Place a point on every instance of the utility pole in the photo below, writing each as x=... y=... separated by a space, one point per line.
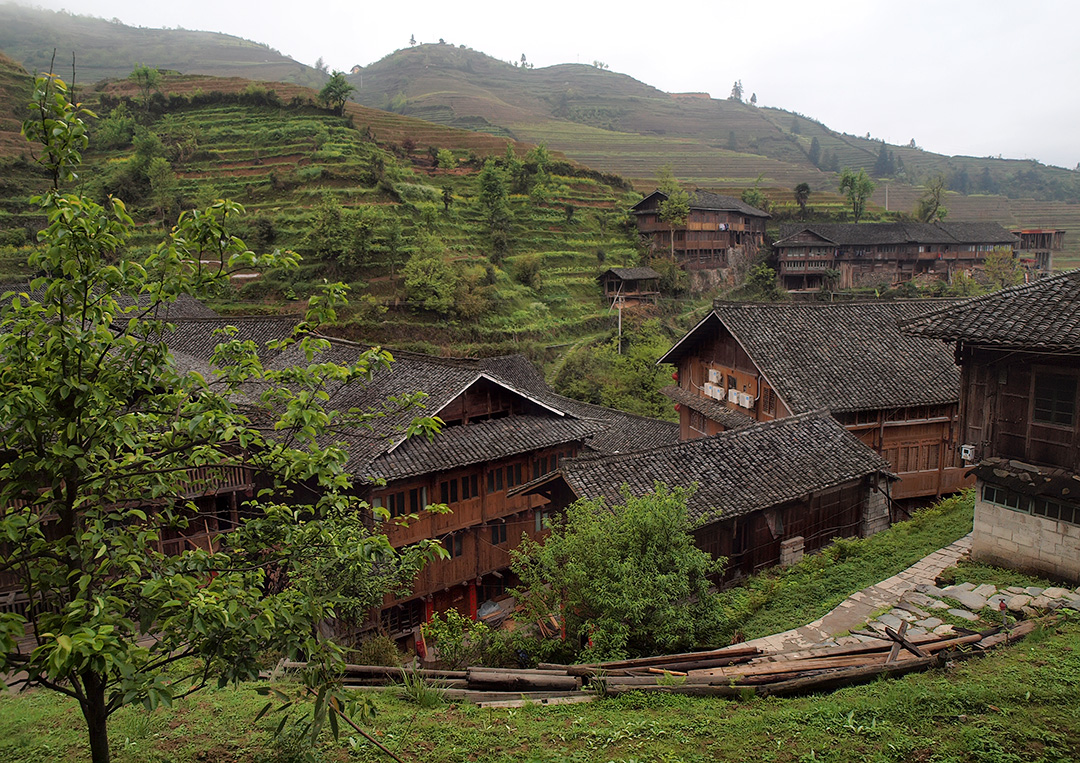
x=619 y=300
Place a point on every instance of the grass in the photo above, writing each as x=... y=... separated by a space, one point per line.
x=777 y=600
x=1017 y=704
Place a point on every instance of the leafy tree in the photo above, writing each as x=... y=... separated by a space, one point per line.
x=336 y=92
x=885 y=165
x=321 y=65
x=676 y=207
x=104 y=435
x=148 y=79
x=802 y=196
x=1002 y=268
x=753 y=99
x=412 y=39
x=761 y=284
x=858 y=187
x=163 y=186
x=732 y=141
x=459 y=639
x=116 y=130
x=627 y=577
x=430 y=280
x=494 y=202
x=929 y=207
x=814 y=154
x=736 y=91
x=445 y=159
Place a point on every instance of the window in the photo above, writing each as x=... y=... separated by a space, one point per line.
x=470 y=487
x=513 y=475
x=1063 y=512
x=1002 y=497
x=454 y=545
x=449 y=491
x=498 y=534
x=1055 y=399
x=417 y=499
x=543 y=520
x=697 y=421
x=768 y=403
x=395 y=504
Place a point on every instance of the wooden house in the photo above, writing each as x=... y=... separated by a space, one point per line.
x=1019 y=351
x=898 y=394
x=762 y=496
x=631 y=286
x=502 y=428
x=719 y=232
x=1037 y=247
x=843 y=255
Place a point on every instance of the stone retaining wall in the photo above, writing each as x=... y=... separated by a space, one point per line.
x=1008 y=538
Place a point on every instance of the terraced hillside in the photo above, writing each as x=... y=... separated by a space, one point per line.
x=614 y=123
x=295 y=166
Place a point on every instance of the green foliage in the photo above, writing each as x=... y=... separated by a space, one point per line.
x=857 y=187
x=802 y=196
x=336 y=92
x=445 y=159
x=1003 y=269
x=104 y=433
x=416 y=689
x=630 y=381
x=627 y=577
x=377 y=649
x=762 y=284
x=148 y=79
x=458 y=639
x=430 y=280
x=528 y=271
x=755 y=198
x=116 y=130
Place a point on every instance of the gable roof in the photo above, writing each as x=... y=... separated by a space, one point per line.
x=710 y=201
x=631 y=274
x=839 y=356
x=1043 y=315
x=734 y=472
x=876 y=234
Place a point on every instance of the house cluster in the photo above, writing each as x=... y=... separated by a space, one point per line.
x=722 y=231
x=798 y=424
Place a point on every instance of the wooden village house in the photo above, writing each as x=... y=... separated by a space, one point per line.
x=762 y=495
x=720 y=231
x=630 y=286
x=1019 y=351
x=1037 y=247
x=844 y=255
x=898 y=394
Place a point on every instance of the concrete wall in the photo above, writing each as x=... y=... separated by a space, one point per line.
x=876 y=516
x=1021 y=541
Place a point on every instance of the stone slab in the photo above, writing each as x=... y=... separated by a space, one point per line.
x=959 y=587
x=968 y=599
x=1033 y=591
x=1018 y=602
x=930 y=622
x=963 y=614
x=1056 y=592
x=986 y=590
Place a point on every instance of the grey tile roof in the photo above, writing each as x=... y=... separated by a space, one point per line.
x=868 y=234
x=734 y=472
x=711 y=201
x=1043 y=315
x=1026 y=479
x=718 y=412
x=631 y=274
x=839 y=356
x=197 y=336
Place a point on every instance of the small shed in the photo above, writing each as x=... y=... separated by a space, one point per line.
x=633 y=285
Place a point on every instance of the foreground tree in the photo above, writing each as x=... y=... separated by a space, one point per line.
x=103 y=434
x=930 y=206
x=857 y=187
x=1003 y=269
x=336 y=92
x=627 y=577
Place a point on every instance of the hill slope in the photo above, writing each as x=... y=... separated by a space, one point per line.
x=106 y=49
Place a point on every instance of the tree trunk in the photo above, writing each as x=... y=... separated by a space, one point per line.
x=93 y=707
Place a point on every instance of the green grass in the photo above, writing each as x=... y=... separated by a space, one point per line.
x=778 y=600
x=1017 y=704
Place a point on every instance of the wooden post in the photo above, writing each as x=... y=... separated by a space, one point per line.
x=472 y=599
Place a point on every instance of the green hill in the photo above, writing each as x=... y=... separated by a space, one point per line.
x=106 y=49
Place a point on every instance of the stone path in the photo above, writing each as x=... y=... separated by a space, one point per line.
x=860 y=607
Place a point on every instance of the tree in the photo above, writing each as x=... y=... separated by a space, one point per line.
x=321 y=65
x=858 y=187
x=430 y=280
x=336 y=92
x=104 y=435
x=802 y=196
x=1002 y=268
x=626 y=576
x=761 y=284
x=929 y=207
x=814 y=154
x=412 y=39
x=753 y=99
x=494 y=202
x=148 y=79
x=163 y=186
x=674 y=210
x=885 y=165
x=736 y=91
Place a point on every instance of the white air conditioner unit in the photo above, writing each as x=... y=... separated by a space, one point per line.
x=710 y=389
x=733 y=396
x=717 y=392
x=967 y=452
x=745 y=400
x=714 y=376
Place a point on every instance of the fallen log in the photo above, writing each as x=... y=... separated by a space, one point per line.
x=386 y=671
x=693 y=690
x=518 y=682
x=512 y=703
x=846 y=677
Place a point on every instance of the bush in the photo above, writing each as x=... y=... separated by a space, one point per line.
x=379 y=649
x=459 y=639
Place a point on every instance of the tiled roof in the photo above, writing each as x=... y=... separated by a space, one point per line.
x=718 y=412
x=1043 y=315
x=631 y=274
x=1059 y=484
x=734 y=472
x=867 y=234
x=198 y=338
x=839 y=356
x=716 y=201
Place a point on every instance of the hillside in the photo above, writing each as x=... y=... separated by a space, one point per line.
x=106 y=49
x=616 y=124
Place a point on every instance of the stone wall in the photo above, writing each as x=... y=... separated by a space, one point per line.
x=1013 y=539
x=876 y=517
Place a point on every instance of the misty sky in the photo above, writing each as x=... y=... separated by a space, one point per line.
x=975 y=77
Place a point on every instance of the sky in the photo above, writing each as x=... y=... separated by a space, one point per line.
x=970 y=77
